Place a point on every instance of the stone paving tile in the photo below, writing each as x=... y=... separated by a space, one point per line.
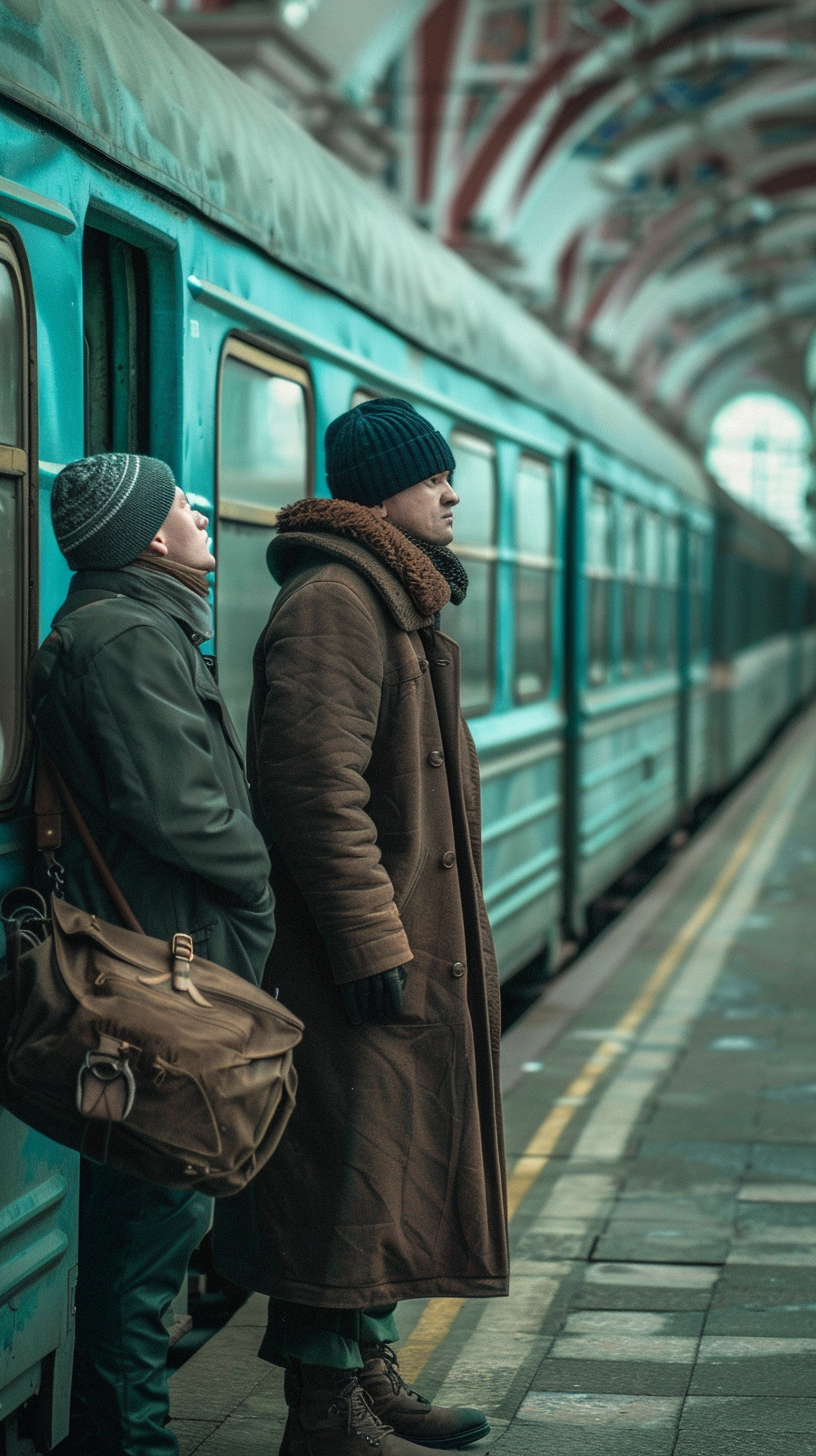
x=754 y=1365
x=642 y=1242
x=780 y=1322
x=190 y=1434
x=524 y=1438
x=748 y=1413
x=662 y=1287
x=793 y=1163
x=765 y=1287
x=633 y=1377
x=745 y=1443
x=219 y=1377
x=242 y=1435
x=560 y=1422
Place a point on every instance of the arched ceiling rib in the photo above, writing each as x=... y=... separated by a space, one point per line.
x=641 y=172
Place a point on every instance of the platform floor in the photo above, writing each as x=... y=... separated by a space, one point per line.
x=661 y=1130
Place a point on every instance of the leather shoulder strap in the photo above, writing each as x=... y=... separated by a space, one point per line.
x=50 y=793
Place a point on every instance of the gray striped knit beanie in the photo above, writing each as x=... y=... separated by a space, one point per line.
x=107 y=508
x=381 y=447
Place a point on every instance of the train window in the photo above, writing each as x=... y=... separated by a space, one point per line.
x=697 y=594
x=600 y=561
x=634 y=596
x=264 y=462
x=666 y=648
x=650 y=614
x=533 y=578
x=475 y=525
x=14 y=540
x=116 y=324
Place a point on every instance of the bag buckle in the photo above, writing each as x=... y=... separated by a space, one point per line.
x=181 y=948
x=106 y=1086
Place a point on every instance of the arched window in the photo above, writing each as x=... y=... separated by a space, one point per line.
x=760 y=451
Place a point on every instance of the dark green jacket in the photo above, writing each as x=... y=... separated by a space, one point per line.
x=131 y=714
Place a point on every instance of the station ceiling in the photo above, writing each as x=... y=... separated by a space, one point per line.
x=642 y=173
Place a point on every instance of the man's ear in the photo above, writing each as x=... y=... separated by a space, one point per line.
x=157 y=545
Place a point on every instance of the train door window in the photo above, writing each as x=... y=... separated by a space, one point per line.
x=534 y=578
x=632 y=643
x=265 y=435
x=600 y=559
x=475 y=542
x=650 y=613
x=14 y=535
x=116 y=324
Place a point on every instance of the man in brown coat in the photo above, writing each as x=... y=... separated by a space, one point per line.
x=390 y=1182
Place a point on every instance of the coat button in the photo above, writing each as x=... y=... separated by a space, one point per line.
x=436 y=758
x=458 y=969
x=448 y=859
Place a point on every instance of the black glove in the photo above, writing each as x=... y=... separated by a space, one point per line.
x=376 y=998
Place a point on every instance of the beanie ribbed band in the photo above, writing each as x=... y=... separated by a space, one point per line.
x=382 y=447
x=107 y=508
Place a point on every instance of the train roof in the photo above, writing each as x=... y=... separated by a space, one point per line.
x=123 y=80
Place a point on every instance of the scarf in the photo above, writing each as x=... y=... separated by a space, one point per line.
x=445 y=562
x=189 y=576
x=183 y=591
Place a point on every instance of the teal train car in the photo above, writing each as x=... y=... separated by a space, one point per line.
x=184 y=272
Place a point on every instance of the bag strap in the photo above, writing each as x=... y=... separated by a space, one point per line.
x=50 y=794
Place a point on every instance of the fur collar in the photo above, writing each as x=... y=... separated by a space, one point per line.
x=318 y=524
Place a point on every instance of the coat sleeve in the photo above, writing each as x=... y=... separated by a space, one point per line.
x=151 y=739
x=324 y=676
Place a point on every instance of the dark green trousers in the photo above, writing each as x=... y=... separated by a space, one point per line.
x=135 y=1242
x=333 y=1337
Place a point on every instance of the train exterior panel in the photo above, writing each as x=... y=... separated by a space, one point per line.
x=162 y=301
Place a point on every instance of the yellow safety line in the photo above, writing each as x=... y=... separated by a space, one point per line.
x=439 y=1314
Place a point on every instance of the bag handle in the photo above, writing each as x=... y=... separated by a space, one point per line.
x=50 y=788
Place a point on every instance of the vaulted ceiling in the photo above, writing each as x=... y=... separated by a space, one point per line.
x=642 y=173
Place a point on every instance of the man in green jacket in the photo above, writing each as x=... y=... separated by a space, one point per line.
x=130 y=712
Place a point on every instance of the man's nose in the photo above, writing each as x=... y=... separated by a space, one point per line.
x=202 y=521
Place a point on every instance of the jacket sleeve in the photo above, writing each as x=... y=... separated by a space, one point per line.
x=324 y=675
x=151 y=736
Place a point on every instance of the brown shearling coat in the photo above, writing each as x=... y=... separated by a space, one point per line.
x=390 y=1181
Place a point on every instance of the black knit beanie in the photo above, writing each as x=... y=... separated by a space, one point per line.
x=107 y=508
x=381 y=447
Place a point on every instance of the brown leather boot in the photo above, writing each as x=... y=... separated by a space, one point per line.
x=409 y=1413
x=329 y=1415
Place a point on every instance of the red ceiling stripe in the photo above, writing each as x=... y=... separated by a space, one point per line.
x=790 y=181
x=574 y=108
x=435 y=49
x=501 y=135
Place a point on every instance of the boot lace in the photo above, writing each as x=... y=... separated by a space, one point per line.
x=393 y=1372
x=352 y=1402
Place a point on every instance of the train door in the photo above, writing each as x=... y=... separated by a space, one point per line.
x=116 y=326
x=38 y=1235
x=265 y=461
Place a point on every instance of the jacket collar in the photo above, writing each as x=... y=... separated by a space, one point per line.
x=409 y=585
x=162 y=592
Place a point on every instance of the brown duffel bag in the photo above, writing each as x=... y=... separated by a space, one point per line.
x=141 y=1054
